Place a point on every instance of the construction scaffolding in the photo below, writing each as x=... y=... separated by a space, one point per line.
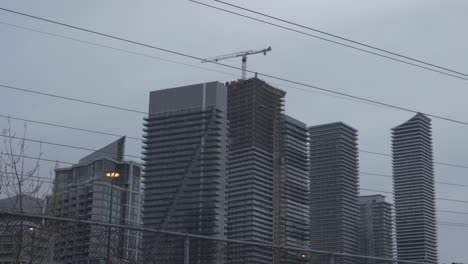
x=254 y=113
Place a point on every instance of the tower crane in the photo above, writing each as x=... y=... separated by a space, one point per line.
x=242 y=54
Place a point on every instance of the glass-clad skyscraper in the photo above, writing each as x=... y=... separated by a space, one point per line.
x=185 y=170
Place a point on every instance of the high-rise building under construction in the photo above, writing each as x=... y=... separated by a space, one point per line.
x=185 y=171
x=255 y=118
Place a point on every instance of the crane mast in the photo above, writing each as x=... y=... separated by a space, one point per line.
x=242 y=54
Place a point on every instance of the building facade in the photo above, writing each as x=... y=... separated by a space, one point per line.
x=255 y=117
x=295 y=189
x=413 y=181
x=24 y=240
x=376 y=227
x=334 y=208
x=185 y=166
x=83 y=191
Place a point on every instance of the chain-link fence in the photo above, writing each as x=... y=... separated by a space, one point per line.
x=35 y=239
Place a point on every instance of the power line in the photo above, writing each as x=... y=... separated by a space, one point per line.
x=13 y=175
x=134 y=156
x=65 y=145
x=72 y=99
x=114 y=48
x=36 y=158
x=89 y=149
x=158 y=58
x=360 y=172
x=168 y=60
x=390 y=176
x=454 y=212
x=225 y=65
x=141 y=139
x=435 y=162
x=437 y=198
x=126 y=109
x=454 y=224
x=68 y=127
x=51 y=181
x=338 y=37
x=451 y=200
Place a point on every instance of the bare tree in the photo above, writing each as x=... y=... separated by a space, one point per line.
x=19 y=181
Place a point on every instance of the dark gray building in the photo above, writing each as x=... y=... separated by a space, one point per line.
x=413 y=182
x=376 y=227
x=24 y=241
x=83 y=191
x=334 y=208
x=185 y=166
x=295 y=188
x=255 y=117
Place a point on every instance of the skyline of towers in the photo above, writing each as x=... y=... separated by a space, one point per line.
x=250 y=129
x=334 y=209
x=413 y=181
x=214 y=155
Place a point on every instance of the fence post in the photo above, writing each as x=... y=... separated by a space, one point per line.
x=332 y=259
x=187 y=250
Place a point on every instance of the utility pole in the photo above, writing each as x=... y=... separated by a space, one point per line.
x=112 y=176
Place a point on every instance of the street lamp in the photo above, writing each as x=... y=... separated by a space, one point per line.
x=32 y=235
x=111 y=175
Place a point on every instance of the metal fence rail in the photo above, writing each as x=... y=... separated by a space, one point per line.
x=37 y=239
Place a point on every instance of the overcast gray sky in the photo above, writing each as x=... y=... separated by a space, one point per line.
x=430 y=30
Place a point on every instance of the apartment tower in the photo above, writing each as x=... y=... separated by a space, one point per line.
x=22 y=240
x=83 y=191
x=334 y=208
x=376 y=227
x=185 y=171
x=295 y=189
x=413 y=182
